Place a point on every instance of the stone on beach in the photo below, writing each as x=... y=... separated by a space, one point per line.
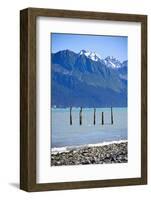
x=112 y=153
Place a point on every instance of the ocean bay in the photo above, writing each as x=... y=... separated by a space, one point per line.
x=65 y=135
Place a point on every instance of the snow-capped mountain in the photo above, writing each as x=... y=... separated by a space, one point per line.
x=84 y=79
x=92 y=55
x=112 y=62
x=109 y=61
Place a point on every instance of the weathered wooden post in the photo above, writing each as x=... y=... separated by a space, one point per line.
x=70 y=115
x=94 y=117
x=111 y=116
x=80 y=116
x=102 y=118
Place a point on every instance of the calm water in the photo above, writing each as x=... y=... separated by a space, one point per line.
x=63 y=134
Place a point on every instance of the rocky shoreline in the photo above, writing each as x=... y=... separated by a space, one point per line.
x=112 y=153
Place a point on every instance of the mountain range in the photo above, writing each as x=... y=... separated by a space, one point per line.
x=85 y=79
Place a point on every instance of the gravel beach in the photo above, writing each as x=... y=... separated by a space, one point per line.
x=111 y=153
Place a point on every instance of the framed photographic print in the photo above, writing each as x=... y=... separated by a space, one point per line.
x=83 y=93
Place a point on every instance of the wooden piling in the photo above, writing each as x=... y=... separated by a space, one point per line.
x=70 y=115
x=80 y=116
x=94 y=117
x=102 y=118
x=111 y=116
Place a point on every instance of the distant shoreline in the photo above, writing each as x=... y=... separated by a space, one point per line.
x=103 y=153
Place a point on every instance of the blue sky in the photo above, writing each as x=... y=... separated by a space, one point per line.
x=115 y=46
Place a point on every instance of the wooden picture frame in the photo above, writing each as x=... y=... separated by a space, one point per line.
x=28 y=98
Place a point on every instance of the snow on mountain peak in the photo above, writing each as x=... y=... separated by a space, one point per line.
x=92 y=55
x=112 y=62
x=109 y=61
